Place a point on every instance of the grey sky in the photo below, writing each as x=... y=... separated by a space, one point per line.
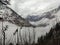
x=28 y=7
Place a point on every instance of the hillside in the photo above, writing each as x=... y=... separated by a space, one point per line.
x=51 y=38
x=11 y=16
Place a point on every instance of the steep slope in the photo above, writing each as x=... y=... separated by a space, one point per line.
x=51 y=38
x=11 y=16
x=17 y=19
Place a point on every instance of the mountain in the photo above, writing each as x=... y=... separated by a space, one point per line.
x=15 y=18
x=12 y=17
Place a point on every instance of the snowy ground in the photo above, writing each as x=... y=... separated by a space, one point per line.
x=12 y=28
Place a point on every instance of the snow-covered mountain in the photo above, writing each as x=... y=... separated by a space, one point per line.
x=15 y=18
x=12 y=17
x=29 y=14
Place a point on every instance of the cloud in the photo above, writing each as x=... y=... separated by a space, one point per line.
x=38 y=18
x=29 y=7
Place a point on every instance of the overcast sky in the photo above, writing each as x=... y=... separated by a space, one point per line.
x=28 y=7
